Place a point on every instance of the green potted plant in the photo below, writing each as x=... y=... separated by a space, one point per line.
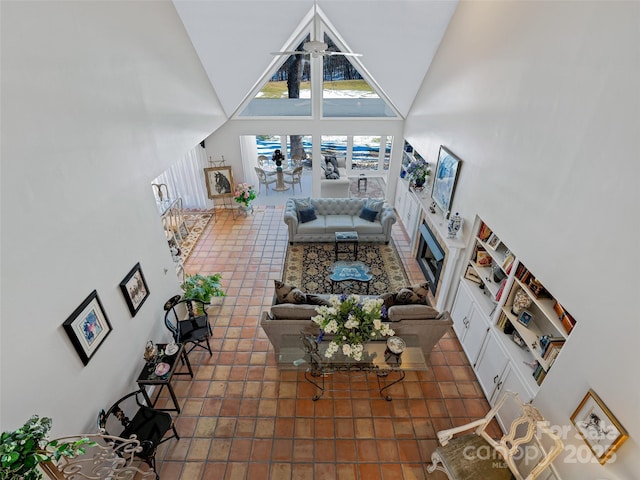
x=203 y=287
x=22 y=450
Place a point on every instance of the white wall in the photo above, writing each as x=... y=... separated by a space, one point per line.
x=98 y=98
x=541 y=102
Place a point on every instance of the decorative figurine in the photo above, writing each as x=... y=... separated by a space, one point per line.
x=455 y=223
x=150 y=352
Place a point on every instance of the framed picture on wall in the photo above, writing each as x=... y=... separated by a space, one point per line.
x=445 y=179
x=219 y=182
x=87 y=327
x=134 y=288
x=598 y=427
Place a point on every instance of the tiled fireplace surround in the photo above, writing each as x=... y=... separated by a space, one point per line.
x=243 y=418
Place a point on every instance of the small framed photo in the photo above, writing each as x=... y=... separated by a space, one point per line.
x=525 y=317
x=219 y=182
x=471 y=275
x=493 y=241
x=134 y=288
x=598 y=427
x=483 y=258
x=87 y=327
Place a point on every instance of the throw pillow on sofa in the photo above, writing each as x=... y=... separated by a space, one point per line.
x=415 y=294
x=371 y=209
x=307 y=215
x=368 y=214
x=288 y=293
x=302 y=204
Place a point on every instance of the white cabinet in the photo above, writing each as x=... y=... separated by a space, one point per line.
x=407 y=208
x=491 y=366
x=469 y=322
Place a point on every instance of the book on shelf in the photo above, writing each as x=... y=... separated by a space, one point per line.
x=539 y=374
x=502 y=321
x=546 y=342
x=501 y=290
x=471 y=275
x=567 y=320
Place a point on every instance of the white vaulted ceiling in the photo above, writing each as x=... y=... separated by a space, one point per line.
x=234 y=38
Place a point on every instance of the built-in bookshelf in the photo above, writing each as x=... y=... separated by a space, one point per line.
x=511 y=327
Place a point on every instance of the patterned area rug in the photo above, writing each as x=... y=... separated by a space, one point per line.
x=307 y=266
x=196 y=223
x=375 y=188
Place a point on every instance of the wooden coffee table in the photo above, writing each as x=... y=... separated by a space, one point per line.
x=350 y=272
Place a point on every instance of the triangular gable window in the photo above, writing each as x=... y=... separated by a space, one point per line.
x=345 y=91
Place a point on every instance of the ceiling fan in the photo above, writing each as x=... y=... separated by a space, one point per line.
x=316 y=48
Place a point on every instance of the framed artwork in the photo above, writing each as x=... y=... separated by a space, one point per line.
x=598 y=427
x=87 y=327
x=525 y=318
x=445 y=179
x=471 y=275
x=493 y=241
x=219 y=182
x=134 y=288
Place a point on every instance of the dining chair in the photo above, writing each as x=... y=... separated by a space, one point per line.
x=293 y=177
x=264 y=179
x=188 y=322
x=148 y=425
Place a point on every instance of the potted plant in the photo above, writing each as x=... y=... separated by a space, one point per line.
x=22 y=450
x=418 y=171
x=203 y=287
x=244 y=194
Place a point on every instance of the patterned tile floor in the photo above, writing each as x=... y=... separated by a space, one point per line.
x=244 y=419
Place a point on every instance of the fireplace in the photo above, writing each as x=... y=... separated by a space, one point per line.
x=430 y=256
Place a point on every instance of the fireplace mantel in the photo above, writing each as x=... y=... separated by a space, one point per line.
x=453 y=251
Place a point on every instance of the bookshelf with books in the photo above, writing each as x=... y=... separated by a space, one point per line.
x=528 y=327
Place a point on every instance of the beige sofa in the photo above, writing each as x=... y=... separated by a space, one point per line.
x=285 y=321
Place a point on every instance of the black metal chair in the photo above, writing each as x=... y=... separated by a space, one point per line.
x=147 y=424
x=188 y=322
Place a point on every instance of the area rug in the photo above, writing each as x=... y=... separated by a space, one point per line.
x=196 y=223
x=307 y=266
x=375 y=188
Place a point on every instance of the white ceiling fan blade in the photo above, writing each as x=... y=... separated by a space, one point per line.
x=346 y=54
x=293 y=52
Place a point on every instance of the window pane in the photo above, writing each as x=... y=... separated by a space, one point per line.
x=334 y=145
x=387 y=153
x=366 y=152
x=345 y=93
x=287 y=93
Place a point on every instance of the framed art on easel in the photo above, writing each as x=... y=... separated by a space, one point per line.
x=219 y=182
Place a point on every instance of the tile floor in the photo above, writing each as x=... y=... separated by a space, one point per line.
x=244 y=419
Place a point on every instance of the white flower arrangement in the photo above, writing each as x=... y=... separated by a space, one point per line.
x=353 y=322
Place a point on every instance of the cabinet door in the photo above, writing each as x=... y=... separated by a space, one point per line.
x=412 y=214
x=477 y=328
x=490 y=365
x=510 y=380
x=461 y=311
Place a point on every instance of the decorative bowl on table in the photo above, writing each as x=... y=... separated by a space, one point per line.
x=171 y=349
x=162 y=369
x=396 y=345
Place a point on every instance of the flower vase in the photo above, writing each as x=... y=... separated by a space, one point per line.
x=419 y=182
x=454 y=225
x=246 y=209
